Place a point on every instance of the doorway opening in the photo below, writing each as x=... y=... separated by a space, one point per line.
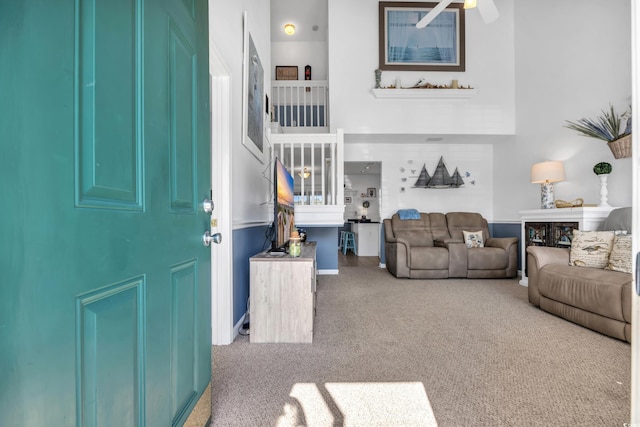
x=360 y=236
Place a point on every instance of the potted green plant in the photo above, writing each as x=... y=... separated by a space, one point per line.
x=610 y=126
x=602 y=170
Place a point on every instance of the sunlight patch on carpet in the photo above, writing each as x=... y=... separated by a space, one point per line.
x=358 y=404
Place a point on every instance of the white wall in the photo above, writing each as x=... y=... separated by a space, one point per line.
x=250 y=189
x=353 y=57
x=541 y=63
x=300 y=54
x=573 y=58
x=568 y=60
x=400 y=169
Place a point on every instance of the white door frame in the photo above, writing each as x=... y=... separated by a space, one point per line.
x=222 y=332
x=635 y=315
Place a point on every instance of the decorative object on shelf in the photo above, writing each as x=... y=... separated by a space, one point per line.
x=403 y=46
x=572 y=204
x=603 y=169
x=546 y=174
x=440 y=179
x=608 y=127
x=378 y=73
x=294 y=244
x=424 y=84
x=366 y=204
x=424 y=93
x=307 y=76
x=304 y=173
x=371 y=192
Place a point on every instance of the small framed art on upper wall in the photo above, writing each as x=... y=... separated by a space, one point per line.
x=286 y=72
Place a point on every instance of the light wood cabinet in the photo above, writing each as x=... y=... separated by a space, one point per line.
x=282 y=297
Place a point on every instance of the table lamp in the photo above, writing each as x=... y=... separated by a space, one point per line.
x=546 y=173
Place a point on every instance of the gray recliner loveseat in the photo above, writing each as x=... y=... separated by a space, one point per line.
x=433 y=247
x=596 y=298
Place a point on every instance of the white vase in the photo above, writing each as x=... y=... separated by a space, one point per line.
x=603 y=189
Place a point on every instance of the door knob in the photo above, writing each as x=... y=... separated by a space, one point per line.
x=207 y=238
x=207 y=205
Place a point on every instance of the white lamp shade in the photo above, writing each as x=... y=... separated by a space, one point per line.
x=551 y=171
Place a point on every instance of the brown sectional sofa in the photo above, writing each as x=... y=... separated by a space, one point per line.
x=432 y=247
x=598 y=299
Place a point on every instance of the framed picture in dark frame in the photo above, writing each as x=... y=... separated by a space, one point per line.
x=440 y=46
x=286 y=72
x=371 y=192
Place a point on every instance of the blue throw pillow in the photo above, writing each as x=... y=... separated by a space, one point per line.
x=408 y=214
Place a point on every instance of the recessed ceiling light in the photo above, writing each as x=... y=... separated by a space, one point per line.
x=289 y=29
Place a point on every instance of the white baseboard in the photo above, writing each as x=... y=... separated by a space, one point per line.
x=327 y=272
x=237 y=326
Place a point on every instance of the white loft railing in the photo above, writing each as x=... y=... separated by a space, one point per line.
x=319 y=197
x=300 y=105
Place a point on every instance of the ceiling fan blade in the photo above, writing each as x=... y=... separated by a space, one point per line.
x=488 y=11
x=433 y=13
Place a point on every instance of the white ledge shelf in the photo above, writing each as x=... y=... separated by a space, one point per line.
x=424 y=93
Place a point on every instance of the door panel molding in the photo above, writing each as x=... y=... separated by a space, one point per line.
x=191 y=8
x=110 y=349
x=182 y=120
x=108 y=122
x=184 y=330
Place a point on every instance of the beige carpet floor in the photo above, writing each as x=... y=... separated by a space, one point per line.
x=398 y=352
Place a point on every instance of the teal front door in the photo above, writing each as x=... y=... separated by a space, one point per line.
x=104 y=161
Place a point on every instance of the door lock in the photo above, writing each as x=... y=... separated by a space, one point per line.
x=207 y=238
x=207 y=205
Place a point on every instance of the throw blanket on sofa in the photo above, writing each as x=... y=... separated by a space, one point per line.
x=408 y=214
